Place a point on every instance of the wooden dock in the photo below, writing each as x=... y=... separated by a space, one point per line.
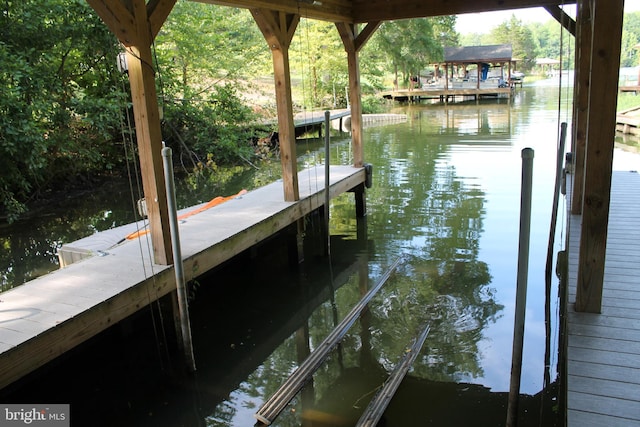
x=633 y=88
x=310 y=118
x=628 y=121
x=447 y=95
x=52 y=314
x=603 y=353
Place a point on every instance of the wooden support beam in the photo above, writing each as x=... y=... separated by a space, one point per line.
x=370 y=10
x=353 y=41
x=158 y=12
x=149 y=137
x=581 y=101
x=561 y=16
x=135 y=24
x=607 y=17
x=278 y=29
x=119 y=19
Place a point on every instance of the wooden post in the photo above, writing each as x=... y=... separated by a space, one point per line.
x=148 y=134
x=607 y=16
x=136 y=24
x=278 y=29
x=353 y=42
x=581 y=101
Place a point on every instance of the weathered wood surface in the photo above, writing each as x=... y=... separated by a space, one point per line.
x=603 y=92
x=603 y=351
x=50 y=315
x=360 y=11
x=628 y=121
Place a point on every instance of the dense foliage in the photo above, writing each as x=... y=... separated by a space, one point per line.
x=59 y=98
x=64 y=108
x=548 y=40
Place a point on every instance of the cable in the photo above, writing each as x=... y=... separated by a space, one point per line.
x=129 y=151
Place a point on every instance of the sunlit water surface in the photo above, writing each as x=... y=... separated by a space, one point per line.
x=445 y=200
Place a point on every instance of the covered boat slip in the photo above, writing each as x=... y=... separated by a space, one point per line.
x=46 y=317
x=603 y=352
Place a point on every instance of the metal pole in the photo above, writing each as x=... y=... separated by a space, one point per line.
x=292 y=385
x=379 y=403
x=548 y=267
x=181 y=289
x=327 y=164
x=521 y=292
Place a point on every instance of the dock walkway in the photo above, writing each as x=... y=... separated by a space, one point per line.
x=603 y=353
x=446 y=94
x=628 y=121
x=52 y=314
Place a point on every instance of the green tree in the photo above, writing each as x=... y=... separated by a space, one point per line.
x=201 y=45
x=630 y=40
x=59 y=97
x=412 y=44
x=520 y=37
x=318 y=62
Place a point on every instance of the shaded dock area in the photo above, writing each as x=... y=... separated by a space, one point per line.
x=52 y=314
x=603 y=351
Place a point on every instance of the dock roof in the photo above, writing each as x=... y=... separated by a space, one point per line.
x=475 y=54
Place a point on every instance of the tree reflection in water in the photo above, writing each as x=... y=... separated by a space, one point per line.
x=256 y=319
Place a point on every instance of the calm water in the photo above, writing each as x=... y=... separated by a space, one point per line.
x=445 y=200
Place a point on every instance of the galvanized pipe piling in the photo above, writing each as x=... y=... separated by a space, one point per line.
x=181 y=289
x=521 y=291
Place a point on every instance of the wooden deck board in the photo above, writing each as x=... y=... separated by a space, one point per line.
x=626 y=343
x=620 y=412
x=607 y=372
x=603 y=351
x=48 y=316
x=586 y=419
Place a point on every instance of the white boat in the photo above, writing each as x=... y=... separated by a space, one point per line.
x=516 y=76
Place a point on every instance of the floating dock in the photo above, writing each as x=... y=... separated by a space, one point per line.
x=603 y=352
x=48 y=316
x=628 y=121
x=446 y=95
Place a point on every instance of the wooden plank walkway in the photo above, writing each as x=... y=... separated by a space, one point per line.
x=308 y=118
x=603 y=366
x=452 y=93
x=50 y=315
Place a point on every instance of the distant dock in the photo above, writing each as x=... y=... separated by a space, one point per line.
x=631 y=88
x=628 y=121
x=447 y=95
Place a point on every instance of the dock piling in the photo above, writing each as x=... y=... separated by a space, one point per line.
x=521 y=290
x=327 y=164
x=181 y=289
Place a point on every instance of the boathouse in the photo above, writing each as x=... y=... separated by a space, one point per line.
x=456 y=76
x=30 y=341
x=458 y=59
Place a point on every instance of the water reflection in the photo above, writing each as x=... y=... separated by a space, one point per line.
x=445 y=199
